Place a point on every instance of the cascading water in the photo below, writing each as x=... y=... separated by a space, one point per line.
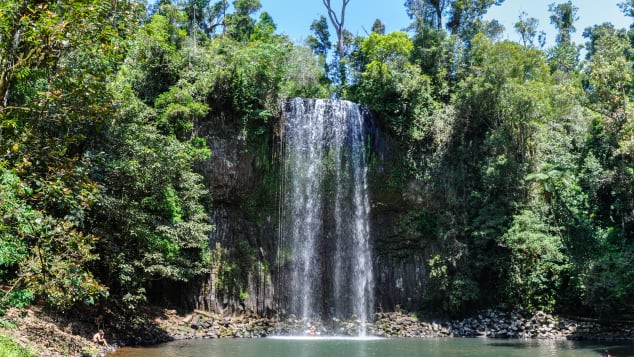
x=324 y=231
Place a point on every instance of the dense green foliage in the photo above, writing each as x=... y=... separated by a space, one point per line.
x=99 y=123
x=54 y=74
x=524 y=157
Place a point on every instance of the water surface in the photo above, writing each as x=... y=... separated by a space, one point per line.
x=366 y=347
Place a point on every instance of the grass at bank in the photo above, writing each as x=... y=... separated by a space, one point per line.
x=10 y=348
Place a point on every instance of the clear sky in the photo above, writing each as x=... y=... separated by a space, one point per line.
x=293 y=17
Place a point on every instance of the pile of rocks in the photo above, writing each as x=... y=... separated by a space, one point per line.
x=201 y=324
x=497 y=324
x=541 y=325
x=398 y=324
x=488 y=324
x=512 y=325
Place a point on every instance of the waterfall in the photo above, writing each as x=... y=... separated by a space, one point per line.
x=324 y=230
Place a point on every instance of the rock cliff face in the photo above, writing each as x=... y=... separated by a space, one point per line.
x=230 y=173
x=243 y=241
x=243 y=180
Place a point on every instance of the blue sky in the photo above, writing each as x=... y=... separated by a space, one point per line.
x=293 y=17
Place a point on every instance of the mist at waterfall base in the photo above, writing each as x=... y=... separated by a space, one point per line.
x=324 y=248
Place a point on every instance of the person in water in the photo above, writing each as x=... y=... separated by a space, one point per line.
x=99 y=339
x=606 y=354
x=312 y=330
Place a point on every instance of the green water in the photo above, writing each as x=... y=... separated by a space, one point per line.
x=316 y=347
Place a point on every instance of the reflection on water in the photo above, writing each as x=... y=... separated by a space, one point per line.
x=367 y=347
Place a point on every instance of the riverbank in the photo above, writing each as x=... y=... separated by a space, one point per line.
x=58 y=335
x=43 y=335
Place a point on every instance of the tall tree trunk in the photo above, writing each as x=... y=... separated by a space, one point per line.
x=338 y=23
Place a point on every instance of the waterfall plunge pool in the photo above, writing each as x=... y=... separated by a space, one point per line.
x=380 y=347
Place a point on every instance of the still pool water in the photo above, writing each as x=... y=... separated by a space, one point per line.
x=346 y=347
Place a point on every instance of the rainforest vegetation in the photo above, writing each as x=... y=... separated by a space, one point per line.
x=523 y=154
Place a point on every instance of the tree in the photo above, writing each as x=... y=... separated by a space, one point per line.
x=151 y=211
x=627 y=7
x=41 y=256
x=320 y=44
x=160 y=58
x=502 y=103
x=36 y=34
x=305 y=75
x=607 y=76
x=240 y=25
x=427 y=12
x=378 y=27
x=344 y=37
x=320 y=41
x=527 y=29
x=595 y=33
x=461 y=15
x=394 y=88
x=608 y=82
x=465 y=16
x=195 y=11
x=565 y=55
x=492 y=29
x=383 y=49
x=439 y=53
x=55 y=63
x=31 y=35
x=217 y=17
x=533 y=278
x=563 y=17
x=338 y=22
